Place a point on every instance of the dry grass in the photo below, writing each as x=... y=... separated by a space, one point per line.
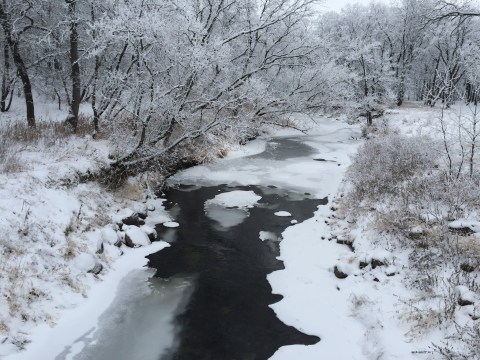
x=21 y=133
x=4 y=329
x=470 y=245
x=10 y=163
x=421 y=321
x=131 y=191
x=70 y=250
x=16 y=137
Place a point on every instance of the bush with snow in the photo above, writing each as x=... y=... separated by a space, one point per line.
x=382 y=164
x=403 y=191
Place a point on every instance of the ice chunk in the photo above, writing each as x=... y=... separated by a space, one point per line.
x=283 y=213
x=268 y=235
x=171 y=224
x=237 y=198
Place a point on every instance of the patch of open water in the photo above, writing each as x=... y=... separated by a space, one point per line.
x=227 y=315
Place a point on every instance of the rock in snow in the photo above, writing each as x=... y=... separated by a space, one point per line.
x=135 y=237
x=151 y=232
x=88 y=263
x=109 y=235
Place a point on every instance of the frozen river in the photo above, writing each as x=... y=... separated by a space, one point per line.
x=233 y=284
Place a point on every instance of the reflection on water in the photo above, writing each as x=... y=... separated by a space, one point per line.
x=139 y=323
x=225 y=217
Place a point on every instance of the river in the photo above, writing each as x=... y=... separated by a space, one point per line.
x=207 y=296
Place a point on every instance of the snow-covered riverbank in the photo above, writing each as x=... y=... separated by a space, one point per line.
x=61 y=242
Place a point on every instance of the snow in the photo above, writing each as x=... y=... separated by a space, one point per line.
x=75 y=323
x=237 y=199
x=150 y=231
x=85 y=262
x=137 y=236
x=109 y=235
x=465 y=223
x=465 y=293
x=348 y=315
x=253 y=147
x=300 y=174
x=367 y=315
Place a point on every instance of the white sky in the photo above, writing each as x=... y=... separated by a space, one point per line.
x=337 y=5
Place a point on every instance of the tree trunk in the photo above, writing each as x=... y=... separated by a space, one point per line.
x=22 y=71
x=72 y=118
x=5 y=78
x=400 y=90
x=96 y=115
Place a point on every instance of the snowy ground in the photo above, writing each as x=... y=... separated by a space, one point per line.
x=61 y=242
x=407 y=312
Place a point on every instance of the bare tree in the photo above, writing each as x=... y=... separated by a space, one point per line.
x=7 y=81
x=72 y=118
x=13 y=40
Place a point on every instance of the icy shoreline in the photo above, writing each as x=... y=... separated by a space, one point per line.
x=63 y=239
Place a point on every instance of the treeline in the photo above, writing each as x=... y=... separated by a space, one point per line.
x=165 y=73
x=419 y=50
x=168 y=76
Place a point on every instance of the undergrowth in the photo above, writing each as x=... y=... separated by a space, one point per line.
x=16 y=137
x=415 y=199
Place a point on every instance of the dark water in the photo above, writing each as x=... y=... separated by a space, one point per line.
x=285 y=148
x=227 y=316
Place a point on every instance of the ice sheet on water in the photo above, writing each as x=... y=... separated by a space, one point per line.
x=230 y=208
x=171 y=224
x=144 y=309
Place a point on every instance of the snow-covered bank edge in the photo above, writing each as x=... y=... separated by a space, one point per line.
x=82 y=319
x=61 y=273
x=354 y=273
x=314 y=300
x=63 y=235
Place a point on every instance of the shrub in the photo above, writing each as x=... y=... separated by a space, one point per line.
x=439 y=196
x=382 y=164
